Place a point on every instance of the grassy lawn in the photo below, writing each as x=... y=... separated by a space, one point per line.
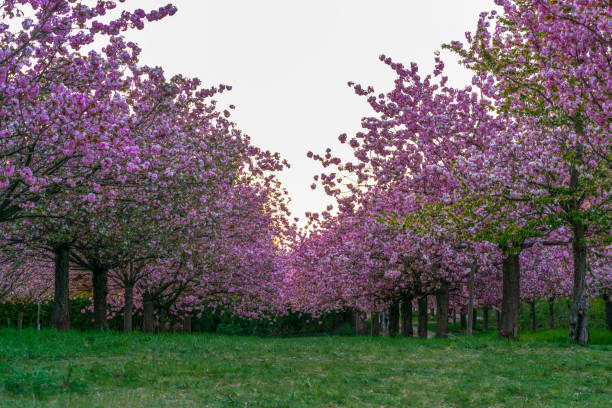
x=82 y=369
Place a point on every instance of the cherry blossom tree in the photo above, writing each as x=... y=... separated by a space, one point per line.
x=549 y=62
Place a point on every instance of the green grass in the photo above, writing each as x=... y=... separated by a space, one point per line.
x=83 y=369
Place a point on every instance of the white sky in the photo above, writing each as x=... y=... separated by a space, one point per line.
x=289 y=61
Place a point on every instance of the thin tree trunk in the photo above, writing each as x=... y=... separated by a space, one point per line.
x=551 y=313
x=61 y=305
x=351 y=316
x=375 y=324
x=187 y=323
x=532 y=313
x=406 y=316
x=579 y=331
x=361 y=324
x=475 y=319
x=454 y=317
x=470 y=311
x=608 y=303
x=20 y=319
x=485 y=319
x=163 y=319
x=38 y=317
x=394 y=319
x=497 y=319
x=100 y=291
x=462 y=320
x=422 y=326
x=442 y=310
x=511 y=297
x=148 y=313
x=385 y=323
x=128 y=308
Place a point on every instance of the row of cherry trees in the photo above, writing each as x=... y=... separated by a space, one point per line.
x=485 y=195
x=481 y=197
x=140 y=180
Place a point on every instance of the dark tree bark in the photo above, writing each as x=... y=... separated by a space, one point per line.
x=187 y=323
x=20 y=319
x=147 y=302
x=38 y=316
x=100 y=291
x=608 y=302
x=485 y=319
x=497 y=319
x=532 y=315
x=454 y=312
x=163 y=320
x=475 y=319
x=394 y=319
x=442 y=310
x=511 y=297
x=463 y=320
x=470 y=312
x=351 y=316
x=361 y=324
x=422 y=326
x=61 y=305
x=406 y=312
x=375 y=324
x=551 y=313
x=128 y=308
x=579 y=331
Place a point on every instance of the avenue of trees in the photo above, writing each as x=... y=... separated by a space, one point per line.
x=485 y=195
x=455 y=198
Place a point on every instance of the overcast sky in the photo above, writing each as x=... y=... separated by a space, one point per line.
x=289 y=61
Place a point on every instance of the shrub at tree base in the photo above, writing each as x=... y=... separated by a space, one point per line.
x=82 y=318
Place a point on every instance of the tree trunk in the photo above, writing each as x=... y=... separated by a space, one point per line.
x=485 y=319
x=470 y=311
x=351 y=316
x=497 y=319
x=384 y=323
x=128 y=308
x=551 y=313
x=187 y=323
x=361 y=324
x=422 y=326
x=579 y=331
x=442 y=310
x=100 y=291
x=532 y=315
x=148 y=313
x=406 y=312
x=61 y=305
x=394 y=319
x=462 y=320
x=608 y=303
x=38 y=316
x=163 y=319
x=375 y=324
x=20 y=319
x=454 y=317
x=511 y=297
x=475 y=319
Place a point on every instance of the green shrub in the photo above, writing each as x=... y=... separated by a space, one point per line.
x=81 y=318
